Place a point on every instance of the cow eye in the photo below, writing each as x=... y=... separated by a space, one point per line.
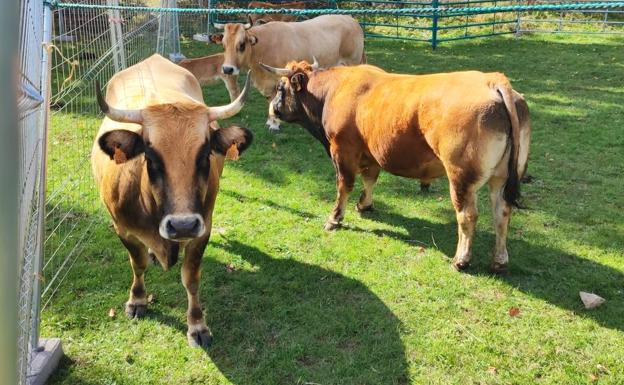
x=241 y=47
x=202 y=161
x=155 y=166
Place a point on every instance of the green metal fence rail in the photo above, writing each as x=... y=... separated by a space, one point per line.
x=434 y=21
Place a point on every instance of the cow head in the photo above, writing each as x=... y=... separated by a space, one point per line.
x=237 y=44
x=177 y=141
x=291 y=88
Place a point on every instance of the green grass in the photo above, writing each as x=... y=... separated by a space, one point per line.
x=377 y=302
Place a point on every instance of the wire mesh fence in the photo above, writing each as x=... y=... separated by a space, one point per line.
x=32 y=117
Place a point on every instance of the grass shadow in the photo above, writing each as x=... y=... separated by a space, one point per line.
x=299 y=323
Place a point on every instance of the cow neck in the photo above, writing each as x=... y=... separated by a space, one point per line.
x=313 y=103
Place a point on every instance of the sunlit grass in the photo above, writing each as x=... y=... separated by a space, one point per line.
x=377 y=302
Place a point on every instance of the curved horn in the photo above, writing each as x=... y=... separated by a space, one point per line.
x=124 y=116
x=246 y=26
x=224 y=112
x=315 y=65
x=218 y=25
x=276 y=71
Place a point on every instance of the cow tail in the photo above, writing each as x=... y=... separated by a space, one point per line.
x=511 y=192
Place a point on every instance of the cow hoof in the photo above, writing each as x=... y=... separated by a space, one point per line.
x=425 y=187
x=460 y=266
x=364 y=209
x=273 y=127
x=330 y=226
x=134 y=310
x=200 y=337
x=499 y=268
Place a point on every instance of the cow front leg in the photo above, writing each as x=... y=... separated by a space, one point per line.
x=136 y=307
x=501 y=211
x=273 y=122
x=369 y=178
x=198 y=333
x=465 y=202
x=345 y=179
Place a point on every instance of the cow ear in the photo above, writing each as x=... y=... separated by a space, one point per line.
x=121 y=145
x=252 y=39
x=216 y=38
x=233 y=138
x=298 y=81
x=260 y=22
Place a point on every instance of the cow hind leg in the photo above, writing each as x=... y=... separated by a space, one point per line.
x=198 y=333
x=501 y=211
x=136 y=307
x=369 y=178
x=464 y=199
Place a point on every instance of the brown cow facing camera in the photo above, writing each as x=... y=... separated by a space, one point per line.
x=470 y=126
x=157 y=160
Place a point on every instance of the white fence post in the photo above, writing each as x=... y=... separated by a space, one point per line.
x=168 y=44
x=116 y=34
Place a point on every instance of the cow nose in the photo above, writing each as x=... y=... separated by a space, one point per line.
x=181 y=227
x=228 y=70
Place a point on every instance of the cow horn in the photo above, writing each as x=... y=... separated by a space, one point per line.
x=124 y=116
x=218 y=25
x=224 y=112
x=315 y=65
x=276 y=71
x=246 y=26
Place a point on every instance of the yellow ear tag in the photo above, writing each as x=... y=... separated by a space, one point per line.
x=232 y=152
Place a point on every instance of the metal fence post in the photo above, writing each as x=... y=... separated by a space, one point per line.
x=43 y=139
x=116 y=34
x=9 y=160
x=434 y=25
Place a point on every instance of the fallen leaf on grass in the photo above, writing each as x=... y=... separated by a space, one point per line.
x=593 y=377
x=492 y=370
x=602 y=368
x=514 y=311
x=230 y=268
x=112 y=313
x=150 y=298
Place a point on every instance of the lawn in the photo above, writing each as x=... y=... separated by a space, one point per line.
x=377 y=302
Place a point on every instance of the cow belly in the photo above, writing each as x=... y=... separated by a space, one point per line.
x=418 y=168
x=405 y=154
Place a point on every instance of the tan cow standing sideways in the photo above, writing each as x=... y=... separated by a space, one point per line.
x=157 y=159
x=207 y=70
x=331 y=39
x=471 y=126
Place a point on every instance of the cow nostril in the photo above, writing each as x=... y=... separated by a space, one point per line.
x=227 y=70
x=170 y=228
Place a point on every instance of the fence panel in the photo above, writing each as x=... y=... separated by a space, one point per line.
x=32 y=117
x=602 y=21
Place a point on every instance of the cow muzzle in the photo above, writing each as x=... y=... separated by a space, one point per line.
x=229 y=70
x=182 y=227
